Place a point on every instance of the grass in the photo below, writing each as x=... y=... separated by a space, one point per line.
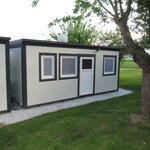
x=131 y=79
x=128 y=64
x=103 y=125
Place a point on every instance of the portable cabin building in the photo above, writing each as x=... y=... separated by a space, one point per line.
x=44 y=72
x=4 y=75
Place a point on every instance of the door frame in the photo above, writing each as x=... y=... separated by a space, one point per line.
x=94 y=67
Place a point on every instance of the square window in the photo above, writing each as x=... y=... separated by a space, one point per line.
x=68 y=66
x=47 y=66
x=87 y=64
x=109 y=66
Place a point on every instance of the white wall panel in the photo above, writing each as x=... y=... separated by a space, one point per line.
x=48 y=91
x=3 y=85
x=105 y=83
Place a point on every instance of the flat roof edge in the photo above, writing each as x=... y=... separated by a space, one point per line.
x=19 y=43
x=4 y=39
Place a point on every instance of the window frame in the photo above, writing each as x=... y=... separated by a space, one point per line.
x=68 y=76
x=41 y=66
x=114 y=65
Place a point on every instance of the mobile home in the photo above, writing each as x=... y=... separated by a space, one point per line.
x=4 y=75
x=43 y=72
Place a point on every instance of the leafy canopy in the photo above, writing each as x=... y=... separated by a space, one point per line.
x=136 y=14
x=78 y=30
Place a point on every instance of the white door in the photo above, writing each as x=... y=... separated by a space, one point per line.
x=86 y=75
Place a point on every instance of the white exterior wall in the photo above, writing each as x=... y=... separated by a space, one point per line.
x=49 y=91
x=105 y=83
x=16 y=74
x=3 y=85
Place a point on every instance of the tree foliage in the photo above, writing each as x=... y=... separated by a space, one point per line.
x=34 y=3
x=111 y=10
x=135 y=11
x=142 y=22
x=77 y=29
x=111 y=38
x=82 y=32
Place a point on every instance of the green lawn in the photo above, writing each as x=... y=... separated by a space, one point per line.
x=103 y=125
x=128 y=64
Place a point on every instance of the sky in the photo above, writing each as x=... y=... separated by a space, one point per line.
x=20 y=20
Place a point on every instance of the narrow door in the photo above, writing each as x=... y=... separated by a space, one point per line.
x=86 y=75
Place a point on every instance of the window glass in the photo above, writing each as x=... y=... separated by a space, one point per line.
x=109 y=65
x=86 y=64
x=68 y=66
x=47 y=66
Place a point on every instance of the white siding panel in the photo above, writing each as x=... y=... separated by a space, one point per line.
x=105 y=83
x=16 y=74
x=48 y=91
x=39 y=93
x=3 y=86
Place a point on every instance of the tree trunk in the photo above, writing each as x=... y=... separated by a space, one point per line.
x=145 y=103
x=126 y=35
x=149 y=19
x=143 y=60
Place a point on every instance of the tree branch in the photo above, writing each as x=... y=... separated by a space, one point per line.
x=114 y=7
x=106 y=9
x=121 y=9
x=149 y=19
x=127 y=12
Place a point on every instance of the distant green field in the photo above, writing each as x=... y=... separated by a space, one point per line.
x=128 y=64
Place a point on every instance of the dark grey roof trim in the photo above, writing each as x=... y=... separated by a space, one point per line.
x=19 y=43
x=4 y=39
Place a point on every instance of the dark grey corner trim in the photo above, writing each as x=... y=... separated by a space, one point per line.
x=94 y=75
x=106 y=48
x=7 y=58
x=5 y=111
x=118 y=71
x=16 y=44
x=40 y=76
x=4 y=40
x=114 y=56
x=78 y=90
x=24 y=76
